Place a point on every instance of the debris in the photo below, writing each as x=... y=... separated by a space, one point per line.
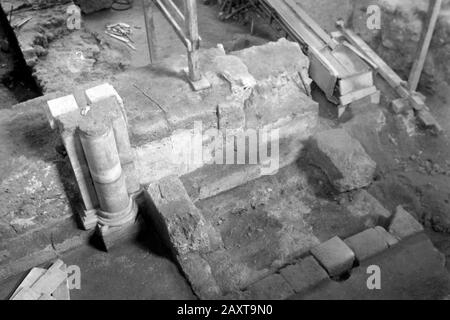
x=122 y=32
x=42 y=284
x=151 y=99
x=19 y=24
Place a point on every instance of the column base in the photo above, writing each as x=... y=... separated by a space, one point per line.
x=88 y=219
x=110 y=235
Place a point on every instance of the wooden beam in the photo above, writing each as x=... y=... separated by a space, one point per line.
x=311 y=23
x=419 y=62
x=179 y=32
x=192 y=31
x=149 y=9
x=176 y=10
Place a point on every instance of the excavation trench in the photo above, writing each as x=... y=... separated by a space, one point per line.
x=265 y=222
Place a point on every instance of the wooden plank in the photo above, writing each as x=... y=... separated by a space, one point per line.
x=192 y=31
x=174 y=8
x=26 y=293
x=179 y=32
x=419 y=62
x=51 y=279
x=357 y=95
x=386 y=72
x=46 y=296
x=149 y=9
x=303 y=34
x=311 y=23
x=62 y=292
x=30 y=279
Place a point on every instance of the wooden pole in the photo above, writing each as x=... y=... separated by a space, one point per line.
x=419 y=62
x=149 y=9
x=192 y=32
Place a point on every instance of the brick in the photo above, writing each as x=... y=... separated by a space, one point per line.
x=404 y=224
x=400 y=105
x=343 y=159
x=58 y=107
x=367 y=244
x=335 y=256
x=273 y=287
x=180 y=222
x=389 y=238
x=304 y=275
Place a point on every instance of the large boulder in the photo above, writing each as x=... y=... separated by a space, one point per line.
x=343 y=159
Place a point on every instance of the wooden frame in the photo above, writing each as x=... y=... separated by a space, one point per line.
x=185 y=26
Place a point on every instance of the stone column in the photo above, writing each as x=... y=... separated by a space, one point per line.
x=116 y=206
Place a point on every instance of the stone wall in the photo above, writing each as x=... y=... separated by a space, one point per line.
x=402 y=23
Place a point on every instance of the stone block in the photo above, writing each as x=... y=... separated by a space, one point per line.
x=179 y=221
x=367 y=244
x=235 y=72
x=110 y=236
x=335 y=256
x=343 y=159
x=231 y=115
x=198 y=273
x=388 y=238
x=274 y=99
x=368 y=207
x=304 y=275
x=58 y=107
x=400 y=105
x=278 y=57
x=103 y=92
x=273 y=287
x=404 y=224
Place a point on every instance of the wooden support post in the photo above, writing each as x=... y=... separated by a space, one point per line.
x=419 y=62
x=192 y=33
x=149 y=9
